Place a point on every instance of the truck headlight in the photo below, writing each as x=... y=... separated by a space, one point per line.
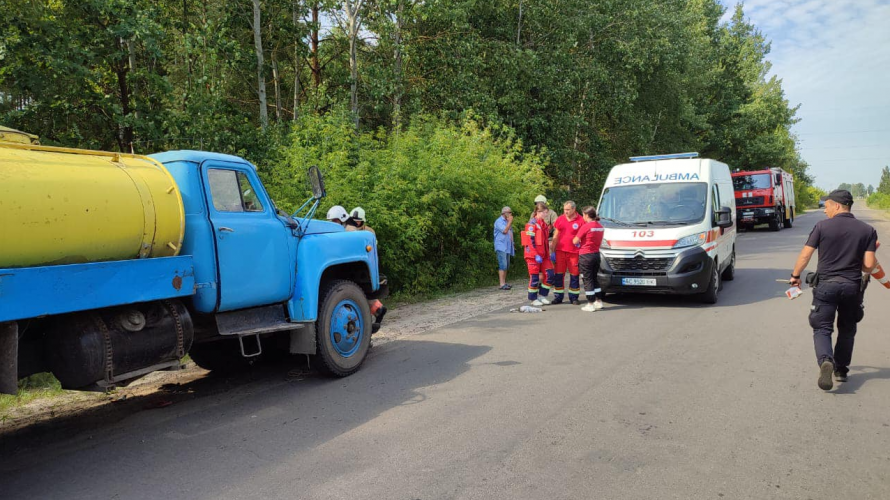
x=768 y=211
x=691 y=240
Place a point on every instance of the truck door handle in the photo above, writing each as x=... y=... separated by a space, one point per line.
x=226 y=229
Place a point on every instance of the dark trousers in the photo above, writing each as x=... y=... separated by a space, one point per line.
x=590 y=265
x=830 y=299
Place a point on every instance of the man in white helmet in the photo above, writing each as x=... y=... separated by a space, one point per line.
x=338 y=214
x=356 y=221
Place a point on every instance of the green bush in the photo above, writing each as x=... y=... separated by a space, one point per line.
x=431 y=192
x=808 y=196
x=879 y=200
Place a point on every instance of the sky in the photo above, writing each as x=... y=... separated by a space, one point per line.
x=833 y=57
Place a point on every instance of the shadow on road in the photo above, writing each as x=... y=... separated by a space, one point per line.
x=264 y=412
x=859 y=375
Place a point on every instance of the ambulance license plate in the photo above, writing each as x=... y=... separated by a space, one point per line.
x=638 y=281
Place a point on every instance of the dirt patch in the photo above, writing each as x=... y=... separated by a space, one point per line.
x=75 y=410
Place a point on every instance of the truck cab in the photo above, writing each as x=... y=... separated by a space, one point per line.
x=764 y=197
x=264 y=270
x=142 y=260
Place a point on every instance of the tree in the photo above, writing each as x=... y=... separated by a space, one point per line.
x=261 y=79
x=884 y=186
x=350 y=20
x=858 y=190
x=870 y=190
x=846 y=187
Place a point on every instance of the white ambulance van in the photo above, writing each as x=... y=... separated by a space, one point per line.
x=670 y=226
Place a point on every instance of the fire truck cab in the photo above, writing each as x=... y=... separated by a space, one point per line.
x=764 y=197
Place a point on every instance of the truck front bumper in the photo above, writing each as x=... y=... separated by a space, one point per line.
x=680 y=272
x=754 y=216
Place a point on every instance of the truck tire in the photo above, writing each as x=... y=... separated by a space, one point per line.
x=343 y=329
x=729 y=273
x=710 y=295
x=774 y=224
x=789 y=220
x=222 y=356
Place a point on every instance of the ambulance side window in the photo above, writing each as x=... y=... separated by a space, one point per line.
x=715 y=201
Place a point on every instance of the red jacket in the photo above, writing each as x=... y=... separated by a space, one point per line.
x=535 y=239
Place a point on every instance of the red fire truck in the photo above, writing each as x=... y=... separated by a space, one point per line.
x=764 y=197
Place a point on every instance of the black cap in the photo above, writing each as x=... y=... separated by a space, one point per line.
x=841 y=196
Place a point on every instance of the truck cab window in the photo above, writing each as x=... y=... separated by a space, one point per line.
x=231 y=191
x=248 y=194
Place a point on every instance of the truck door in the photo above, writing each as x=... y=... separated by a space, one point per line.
x=253 y=256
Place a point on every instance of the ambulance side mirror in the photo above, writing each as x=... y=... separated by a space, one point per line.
x=724 y=217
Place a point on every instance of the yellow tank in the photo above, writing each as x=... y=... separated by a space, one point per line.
x=66 y=206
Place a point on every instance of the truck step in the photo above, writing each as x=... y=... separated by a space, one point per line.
x=254 y=321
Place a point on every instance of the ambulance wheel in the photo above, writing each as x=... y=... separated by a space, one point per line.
x=729 y=273
x=710 y=295
x=343 y=329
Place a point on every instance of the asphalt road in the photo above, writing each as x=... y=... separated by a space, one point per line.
x=651 y=398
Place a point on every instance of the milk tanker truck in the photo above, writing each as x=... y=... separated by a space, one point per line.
x=116 y=265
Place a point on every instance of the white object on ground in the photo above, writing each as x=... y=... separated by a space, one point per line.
x=527 y=309
x=589 y=308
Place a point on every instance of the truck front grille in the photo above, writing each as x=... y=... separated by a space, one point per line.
x=753 y=201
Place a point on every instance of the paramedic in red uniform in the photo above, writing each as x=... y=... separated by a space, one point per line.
x=566 y=255
x=588 y=238
x=536 y=246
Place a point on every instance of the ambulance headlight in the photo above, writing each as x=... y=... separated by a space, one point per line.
x=605 y=244
x=691 y=240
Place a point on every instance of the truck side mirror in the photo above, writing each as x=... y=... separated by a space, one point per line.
x=316 y=182
x=724 y=217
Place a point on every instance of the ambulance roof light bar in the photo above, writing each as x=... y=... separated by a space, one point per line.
x=674 y=156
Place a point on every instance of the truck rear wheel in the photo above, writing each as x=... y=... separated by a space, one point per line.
x=222 y=356
x=343 y=329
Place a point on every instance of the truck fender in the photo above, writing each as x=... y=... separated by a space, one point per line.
x=342 y=255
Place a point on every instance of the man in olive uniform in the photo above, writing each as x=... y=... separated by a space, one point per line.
x=846 y=251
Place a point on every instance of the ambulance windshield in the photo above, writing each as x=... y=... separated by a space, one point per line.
x=748 y=182
x=668 y=204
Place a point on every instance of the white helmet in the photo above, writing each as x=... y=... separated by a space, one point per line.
x=337 y=213
x=357 y=213
x=540 y=199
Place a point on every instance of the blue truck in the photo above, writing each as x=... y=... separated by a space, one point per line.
x=98 y=292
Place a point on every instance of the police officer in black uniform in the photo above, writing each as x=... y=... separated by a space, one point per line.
x=846 y=250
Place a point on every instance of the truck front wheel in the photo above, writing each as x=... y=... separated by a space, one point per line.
x=343 y=330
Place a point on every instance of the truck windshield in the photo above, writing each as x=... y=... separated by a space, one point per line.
x=748 y=182
x=668 y=204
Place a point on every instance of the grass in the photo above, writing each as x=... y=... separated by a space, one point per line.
x=37 y=386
